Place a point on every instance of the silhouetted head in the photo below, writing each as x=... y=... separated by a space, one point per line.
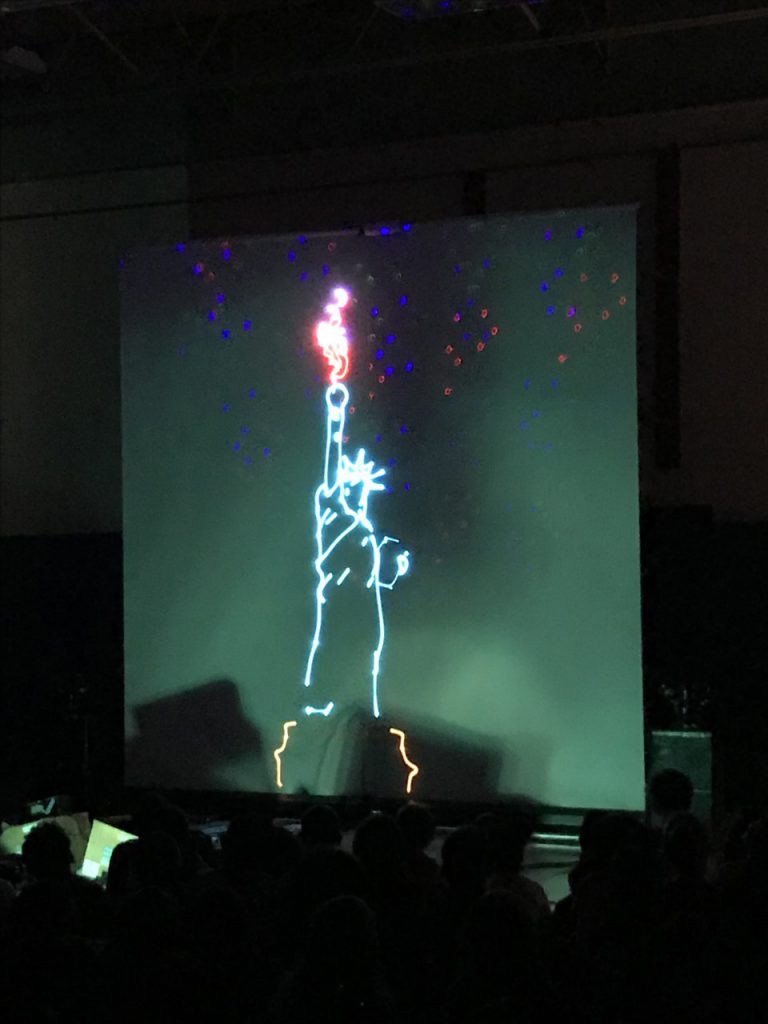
x=46 y=852
x=156 y=814
x=507 y=835
x=465 y=859
x=325 y=873
x=123 y=876
x=417 y=825
x=320 y=826
x=670 y=793
x=378 y=845
x=686 y=845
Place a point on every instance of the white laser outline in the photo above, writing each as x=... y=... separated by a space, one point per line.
x=340 y=475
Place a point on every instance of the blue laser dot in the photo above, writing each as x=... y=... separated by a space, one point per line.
x=291 y=256
x=225 y=334
x=198 y=268
x=252 y=393
x=226 y=254
x=407 y=227
x=180 y=247
x=403 y=300
x=536 y=413
x=390 y=489
x=390 y=370
x=246 y=325
x=544 y=286
x=408 y=366
x=220 y=297
x=527 y=383
x=378 y=437
x=554 y=383
x=245 y=430
x=457 y=268
x=547 y=236
x=407 y=487
x=225 y=407
x=559 y=271
x=212 y=315
x=550 y=310
x=303 y=275
x=487 y=264
x=393 y=462
x=384 y=231
x=302 y=239
x=236 y=446
x=374 y=311
x=326 y=270
x=391 y=339
x=380 y=353
x=579 y=232
x=486 y=335
x=248 y=460
x=403 y=429
x=467 y=336
x=267 y=452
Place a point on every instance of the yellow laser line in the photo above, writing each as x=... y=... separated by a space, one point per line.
x=414 y=767
x=280 y=750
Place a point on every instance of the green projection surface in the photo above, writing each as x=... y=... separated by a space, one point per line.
x=493 y=377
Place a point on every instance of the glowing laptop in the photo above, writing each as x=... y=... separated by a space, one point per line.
x=75 y=826
x=101 y=842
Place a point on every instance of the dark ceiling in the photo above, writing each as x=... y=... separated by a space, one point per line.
x=268 y=75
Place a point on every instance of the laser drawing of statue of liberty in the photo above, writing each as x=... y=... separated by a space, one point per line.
x=343 y=532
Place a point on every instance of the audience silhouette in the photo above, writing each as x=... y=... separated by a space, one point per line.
x=661 y=924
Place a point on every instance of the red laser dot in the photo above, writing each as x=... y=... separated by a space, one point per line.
x=456 y=317
x=457 y=361
x=577 y=328
x=561 y=358
x=605 y=314
x=448 y=392
x=614 y=277
x=623 y=300
x=483 y=313
x=382 y=378
x=494 y=331
x=352 y=410
x=480 y=346
x=448 y=349
x=583 y=278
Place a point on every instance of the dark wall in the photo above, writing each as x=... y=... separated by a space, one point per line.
x=61 y=698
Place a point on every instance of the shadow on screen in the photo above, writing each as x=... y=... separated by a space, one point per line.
x=452 y=763
x=184 y=739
